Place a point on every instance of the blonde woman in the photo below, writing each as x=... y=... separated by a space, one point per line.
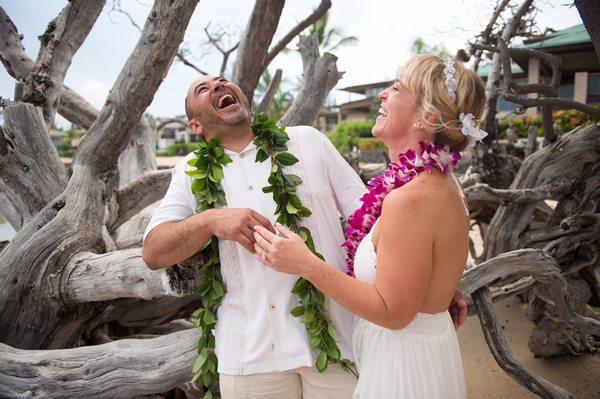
x=408 y=243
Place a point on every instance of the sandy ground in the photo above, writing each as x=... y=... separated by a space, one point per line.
x=580 y=375
x=485 y=379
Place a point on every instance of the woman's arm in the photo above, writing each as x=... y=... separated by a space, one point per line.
x=404 y=261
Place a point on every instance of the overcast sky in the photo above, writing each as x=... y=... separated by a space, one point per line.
x=385 y=31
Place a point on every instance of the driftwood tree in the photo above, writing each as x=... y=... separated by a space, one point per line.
x=82 y=316
x=75 y=292
x=514 y=215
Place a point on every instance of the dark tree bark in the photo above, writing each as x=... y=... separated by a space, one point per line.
x=589 y=11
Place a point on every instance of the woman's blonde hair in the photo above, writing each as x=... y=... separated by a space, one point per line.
x=424 y=76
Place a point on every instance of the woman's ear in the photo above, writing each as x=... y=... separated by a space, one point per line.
x=431 y=121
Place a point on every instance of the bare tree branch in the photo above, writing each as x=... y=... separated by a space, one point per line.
x=267 y=99
x=483 y=192
x=74 y=221
x=181 y=57
x=554 y=102
x=319 y=77
x=305 y=23
x=215 y=41
x=119 y=274
x=133 y=90
x=28 y=183
x=486 y=34
x=72 y=106
x=491 y=88
x=64 y=36
x=119 y=369
x=140 y=193
x=551 y=60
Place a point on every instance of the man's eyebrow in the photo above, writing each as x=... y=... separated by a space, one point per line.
x=199 y=85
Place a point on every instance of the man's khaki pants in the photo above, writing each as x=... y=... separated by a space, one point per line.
x=300 y=383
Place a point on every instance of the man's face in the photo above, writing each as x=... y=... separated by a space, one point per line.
x=217 y=104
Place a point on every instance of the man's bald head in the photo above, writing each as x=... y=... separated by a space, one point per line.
x=215 y=105
x=189 y=111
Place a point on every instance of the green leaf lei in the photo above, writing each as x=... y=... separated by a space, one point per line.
x=271 y=142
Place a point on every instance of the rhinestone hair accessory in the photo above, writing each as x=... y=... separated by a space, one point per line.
x=450 y=81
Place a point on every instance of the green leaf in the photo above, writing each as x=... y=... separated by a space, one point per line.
x=291 y=209
x=302 y=233
x=331 y=330
x=294 y=200
x=196 y=174
x=209 y=317
x=261 y=156
x=208 y=395
x=297 y=311
x=309 y=314
x=304 y=212
x=321 y=362
x=195 y=377
x=206 y=380
x=218 y=288
x=292 y=180
x=300 y=286
x=286 y=159
x=199 y=362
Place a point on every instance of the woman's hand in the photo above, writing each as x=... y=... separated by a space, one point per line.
x=286 y=253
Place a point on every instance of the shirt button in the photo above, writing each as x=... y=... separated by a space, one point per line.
x=273 y=306
x=272 y=346
x=242 y=155
x=250 y=187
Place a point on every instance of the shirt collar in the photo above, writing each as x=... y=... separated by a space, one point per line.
x=248 y=148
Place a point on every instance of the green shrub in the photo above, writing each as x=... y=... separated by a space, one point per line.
x=180 y=149
x=566 y=119
x=347 y=134
x=370 y=143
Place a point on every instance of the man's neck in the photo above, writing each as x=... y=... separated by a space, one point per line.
x=237 y=141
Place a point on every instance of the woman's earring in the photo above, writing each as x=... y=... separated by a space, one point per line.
x=417 y=125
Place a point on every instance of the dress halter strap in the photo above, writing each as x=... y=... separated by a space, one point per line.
x=460 y=192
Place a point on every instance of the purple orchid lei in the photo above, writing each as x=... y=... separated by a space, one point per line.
x=409 y=165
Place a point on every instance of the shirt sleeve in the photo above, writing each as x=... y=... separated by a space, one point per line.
x=345 y=183
x=179 y=202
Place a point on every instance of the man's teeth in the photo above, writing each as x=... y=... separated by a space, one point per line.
x=382 y=112
x=222 y=98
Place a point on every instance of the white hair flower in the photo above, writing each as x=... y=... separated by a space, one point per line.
x=469 y=129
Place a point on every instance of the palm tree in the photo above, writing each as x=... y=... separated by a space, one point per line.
x=330 y=38
x=283 y=98
x=420 y=47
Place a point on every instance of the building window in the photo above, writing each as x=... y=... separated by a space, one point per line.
x=594 y=88
x=566 y=92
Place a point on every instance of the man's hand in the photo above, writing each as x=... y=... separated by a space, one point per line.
x=458 y=309
x=237 y=224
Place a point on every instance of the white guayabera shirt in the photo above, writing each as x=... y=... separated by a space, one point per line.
x=255 y=332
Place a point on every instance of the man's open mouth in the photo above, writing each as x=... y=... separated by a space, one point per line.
x=225 y=100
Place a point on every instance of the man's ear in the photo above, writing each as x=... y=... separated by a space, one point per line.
x=195 y=126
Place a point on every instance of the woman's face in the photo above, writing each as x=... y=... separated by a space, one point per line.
x=397 y=112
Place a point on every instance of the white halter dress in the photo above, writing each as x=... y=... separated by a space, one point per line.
x=422 y=360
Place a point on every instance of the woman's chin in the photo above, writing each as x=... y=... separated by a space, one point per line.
x=378 y=128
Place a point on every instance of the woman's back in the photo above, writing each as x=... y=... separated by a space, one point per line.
x=449 y=240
